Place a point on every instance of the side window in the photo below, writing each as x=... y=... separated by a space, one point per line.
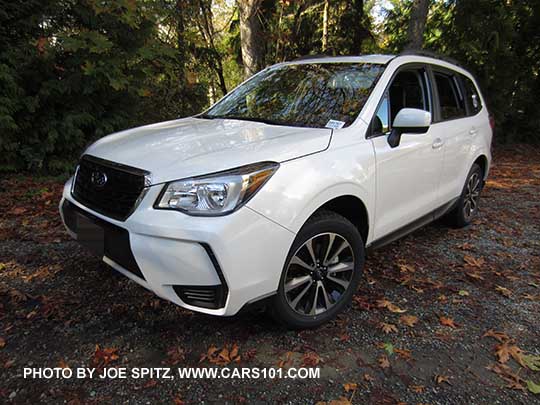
x=407 y=90
x=381 y=121
x=474 y=104
x=451 y=98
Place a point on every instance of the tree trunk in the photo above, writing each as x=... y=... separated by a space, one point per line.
x=181 y=41
x=325 y=26
x=206 y=27
x=359 y=31
x=417 y=23
x=250 y=36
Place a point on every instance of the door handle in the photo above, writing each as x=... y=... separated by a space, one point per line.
x=438 y=143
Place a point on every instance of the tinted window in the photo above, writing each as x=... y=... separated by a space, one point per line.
x=450 y=97
x=301 y=95
x=407 y=90
x=474 y=104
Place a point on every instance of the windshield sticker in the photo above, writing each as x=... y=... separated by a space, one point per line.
x=334 y=124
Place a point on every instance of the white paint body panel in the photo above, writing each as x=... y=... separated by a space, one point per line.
x=396 y=186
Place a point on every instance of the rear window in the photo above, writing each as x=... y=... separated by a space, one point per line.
x=451 y=100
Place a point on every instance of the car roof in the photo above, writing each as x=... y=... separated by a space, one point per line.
x=375 y=58
x=384 y=59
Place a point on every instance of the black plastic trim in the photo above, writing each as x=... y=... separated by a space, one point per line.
x=221 y=291
x=414 y=225
x=116 y=241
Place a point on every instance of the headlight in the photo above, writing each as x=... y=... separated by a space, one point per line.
x=218 y=193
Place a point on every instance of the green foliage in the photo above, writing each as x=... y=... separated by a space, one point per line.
x=72 y=71
x=497 y=41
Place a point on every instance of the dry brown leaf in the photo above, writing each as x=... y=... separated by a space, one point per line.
x=102 y=357
x=350 y=387
x=514 y=381
x=368 y=377
x=447 y=322
x=419 y=389
x=63 y=364
x=504 y=291
x=473 y=262
x=404 y=354
x=310 y=359
x=499 y=336
x=287 y=362
x=175 y=355
x=408 y=320
x=2 y=342
x=391 y=307
x=384 y=362
x=388 y=328
x=506 y=350
x=439 y=379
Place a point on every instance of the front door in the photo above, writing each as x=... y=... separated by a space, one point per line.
x=407 y=175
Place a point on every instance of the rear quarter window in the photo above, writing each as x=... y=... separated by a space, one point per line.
x=472 y=98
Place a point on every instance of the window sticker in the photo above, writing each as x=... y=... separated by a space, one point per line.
x=334 y=124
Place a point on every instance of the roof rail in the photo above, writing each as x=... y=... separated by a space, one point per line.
x=430 y=54
x=316 y=56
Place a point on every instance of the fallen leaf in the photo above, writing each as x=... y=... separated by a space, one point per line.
x=368 y=377
x=404 y=354
x=391 y=307
x=2 y=342
x=500 y=336
x=102 y=357
x=287 y=362
x=175 y=355
x=439 y=379
x=506 y=373
x=388 y=328
x=388 y=347
x=447 y=322
x=178 y=401
x=463 y=293
x=473 y=262
x=531 y=362
x=506 y=350
x=419 y=389
x=310 y=359
x=384 y=362
x=504 y=291
x=63 y=364
x=532 y=387
x=408 y=320
x=223 y=356
x=350 y=387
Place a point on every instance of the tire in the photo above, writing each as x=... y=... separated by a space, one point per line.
x=300 y=274
x=466 y=207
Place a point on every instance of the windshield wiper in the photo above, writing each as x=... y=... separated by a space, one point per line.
x=253 y=119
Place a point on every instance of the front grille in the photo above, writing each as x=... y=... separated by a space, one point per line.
x=117 y=195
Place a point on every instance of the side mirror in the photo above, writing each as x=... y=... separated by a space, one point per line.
x=411 y=121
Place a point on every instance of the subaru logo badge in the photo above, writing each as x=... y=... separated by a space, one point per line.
x=99 y=179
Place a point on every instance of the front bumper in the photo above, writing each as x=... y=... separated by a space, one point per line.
x=165 y=251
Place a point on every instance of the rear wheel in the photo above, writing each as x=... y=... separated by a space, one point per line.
x=322 y=272
x=467 y=205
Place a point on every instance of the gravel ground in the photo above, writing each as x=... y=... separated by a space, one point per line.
x=61 y=307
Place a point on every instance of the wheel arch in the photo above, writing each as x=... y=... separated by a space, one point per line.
x=352 y=208
x=483 y=162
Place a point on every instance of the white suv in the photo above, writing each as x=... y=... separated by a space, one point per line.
x=274 y=193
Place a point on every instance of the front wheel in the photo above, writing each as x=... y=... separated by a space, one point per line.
x=321 y=274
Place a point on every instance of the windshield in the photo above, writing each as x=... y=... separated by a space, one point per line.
x=309 y=95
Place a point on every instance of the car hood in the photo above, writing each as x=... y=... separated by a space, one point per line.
x=193 y=146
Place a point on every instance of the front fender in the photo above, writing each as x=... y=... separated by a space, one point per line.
x=303 y=185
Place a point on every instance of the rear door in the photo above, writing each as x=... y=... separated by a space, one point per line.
x=407 y=175
x=453 y=127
